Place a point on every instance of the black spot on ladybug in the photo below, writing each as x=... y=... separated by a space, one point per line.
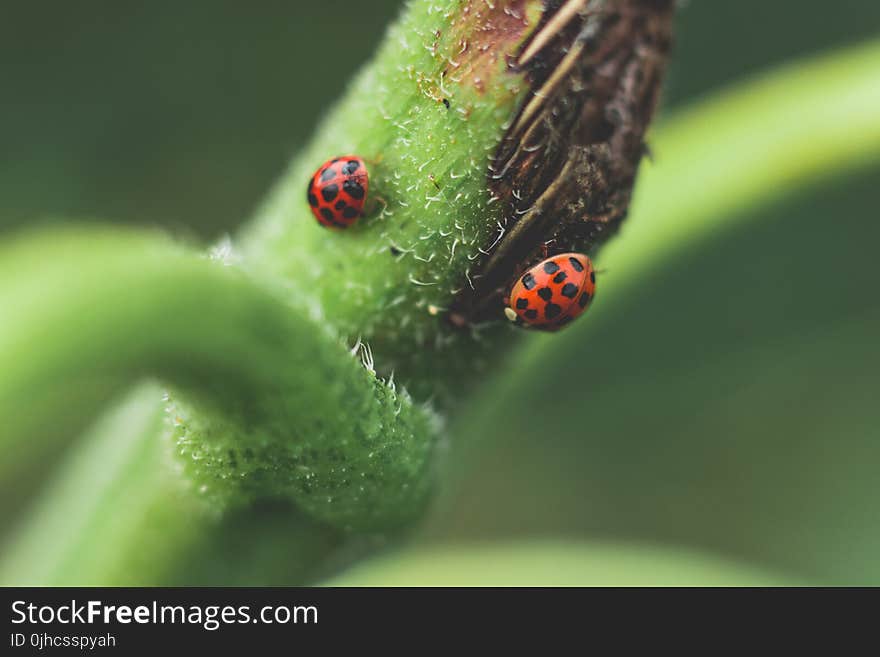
x=592 y=277
x=446 y=103
x=551 y=267
x=350 y=212
x=545 y=293
x=551 y=311
x=531 y=314
x=584 y=300
x=328 y=215
x=328 y=173
x=528 y=281
x=522 y=303
x=576 y=264
x=351 y=167
x=569 y=290
x=561 y=276
x=353 y=188
x=329 y=192
x=313 y=200
x=339 y=204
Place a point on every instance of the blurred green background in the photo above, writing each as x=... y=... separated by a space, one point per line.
x=182 y=114
x=727 y=405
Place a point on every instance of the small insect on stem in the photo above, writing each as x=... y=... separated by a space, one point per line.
x=552 y=293
x=338 y=190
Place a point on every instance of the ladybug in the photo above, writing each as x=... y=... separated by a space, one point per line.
x=337 y=191
x=553 y=292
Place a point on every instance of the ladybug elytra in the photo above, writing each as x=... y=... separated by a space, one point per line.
x=553 y=293
x=337 y=191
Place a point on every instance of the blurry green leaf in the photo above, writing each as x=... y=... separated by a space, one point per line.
x=89 y=519
x=554 y=563
x=744 y=147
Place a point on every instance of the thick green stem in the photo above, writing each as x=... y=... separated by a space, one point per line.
x=116 y=514
x=274 y=405
x=91 y=308
x=283 y=409
x=427 y=114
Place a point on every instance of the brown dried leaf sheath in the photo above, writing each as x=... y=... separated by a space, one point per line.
x=565 y=168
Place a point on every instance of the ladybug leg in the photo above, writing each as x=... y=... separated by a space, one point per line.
x=380 y=201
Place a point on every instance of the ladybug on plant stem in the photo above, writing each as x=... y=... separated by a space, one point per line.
x=337 y=191
x=552 y=293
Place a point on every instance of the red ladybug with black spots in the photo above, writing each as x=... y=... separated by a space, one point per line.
x=553 y=293
x=337 y=191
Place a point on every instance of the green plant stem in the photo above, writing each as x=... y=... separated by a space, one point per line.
x=102 y=308
x=389 y=279
x=277 y=407
x=132 y=522
x=98 y=306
